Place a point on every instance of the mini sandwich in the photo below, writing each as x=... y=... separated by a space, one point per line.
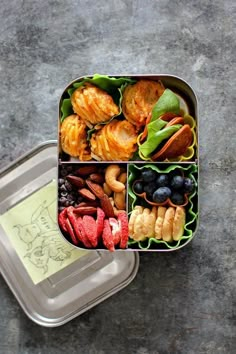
x=166 y=135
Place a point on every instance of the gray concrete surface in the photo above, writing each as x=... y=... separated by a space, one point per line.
x=180 y=303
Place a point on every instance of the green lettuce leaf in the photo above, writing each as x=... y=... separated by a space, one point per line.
x=66 y=109
x=155 y=138
x=168 y=102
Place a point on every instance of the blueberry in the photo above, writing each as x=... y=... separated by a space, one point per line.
x=188 y=185
x=61 y=181
x=70 y=198
x=149 y=189
x=177 y=198
x=62 y=201
x=62 y=188
x=162 y=181
x=138 y=187
x=161 y=194
x=68 y=186
x=63 y=173
x=149 y=175
x=64 y=194
x=177 y=182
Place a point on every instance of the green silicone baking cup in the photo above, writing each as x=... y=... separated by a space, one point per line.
x=191 y=208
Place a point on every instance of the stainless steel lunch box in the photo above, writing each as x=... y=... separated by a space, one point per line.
x=188 y=96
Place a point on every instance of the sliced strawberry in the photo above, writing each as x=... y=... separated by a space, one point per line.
x=71 y=232
x=90 y=228
x=62 y=219
x=123 y=222
x=82 y=234
x=115 y=230
x=100 y=222
x=107 y=236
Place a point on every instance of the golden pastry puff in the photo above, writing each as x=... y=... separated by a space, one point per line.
x=115 y=141
x=93 y=105
x=73 y=137
x=139 y=99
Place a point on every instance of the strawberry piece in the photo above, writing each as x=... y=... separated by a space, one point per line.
x=100 y=222
x=123 y=222
x=71 y=232
x=108 y=237
x=82 y=234
x=90 y=228
x=62 y=219
x=116 y=231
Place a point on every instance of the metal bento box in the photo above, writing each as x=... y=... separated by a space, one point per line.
x=128 y=163
x=52 y=280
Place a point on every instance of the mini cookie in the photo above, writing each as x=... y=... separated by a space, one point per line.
x=159 y=222
x=150 y=223
x=136 y=211
x=167 y=228
x=179 y=222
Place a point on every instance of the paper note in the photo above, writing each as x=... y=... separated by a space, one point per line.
x=33 y=231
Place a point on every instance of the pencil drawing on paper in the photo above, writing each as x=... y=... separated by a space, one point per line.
x=41 y=238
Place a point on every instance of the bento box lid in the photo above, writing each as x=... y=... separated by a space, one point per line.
x=52 y=281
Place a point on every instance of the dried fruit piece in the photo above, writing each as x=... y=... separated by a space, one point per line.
x=107 y=237
x=82 y=233
x=62 y=219
x=100 y=221
x=115 y=230
x=86 y=193
x=90 y=228
x=107 y=206
x=95 y=188
x=71 y=232
x=123 y=222
x=76 y=181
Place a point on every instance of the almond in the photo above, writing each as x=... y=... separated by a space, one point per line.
x=107 y=206
x=86 y=170
x=95 y=188
x=87 y=194
x=76 y=181
x=97 y=178
x=85 y=210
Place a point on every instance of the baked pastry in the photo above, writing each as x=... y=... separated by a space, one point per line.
x=73 y=138
x=167 y=227
x=178 y=223
x=136 y=211
x=93 y=104
x=114 y=141
x=139 y=99
x=159 y=222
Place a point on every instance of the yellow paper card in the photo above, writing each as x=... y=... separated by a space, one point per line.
x=33 y=231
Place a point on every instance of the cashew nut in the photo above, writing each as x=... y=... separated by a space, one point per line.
x=111 y=175
x=119 y=200
x=122 y=177
x=107 y=189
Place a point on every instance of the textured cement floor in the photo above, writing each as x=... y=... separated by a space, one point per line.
x=180 y=303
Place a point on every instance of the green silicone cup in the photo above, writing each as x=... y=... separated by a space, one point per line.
x=189 y=170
